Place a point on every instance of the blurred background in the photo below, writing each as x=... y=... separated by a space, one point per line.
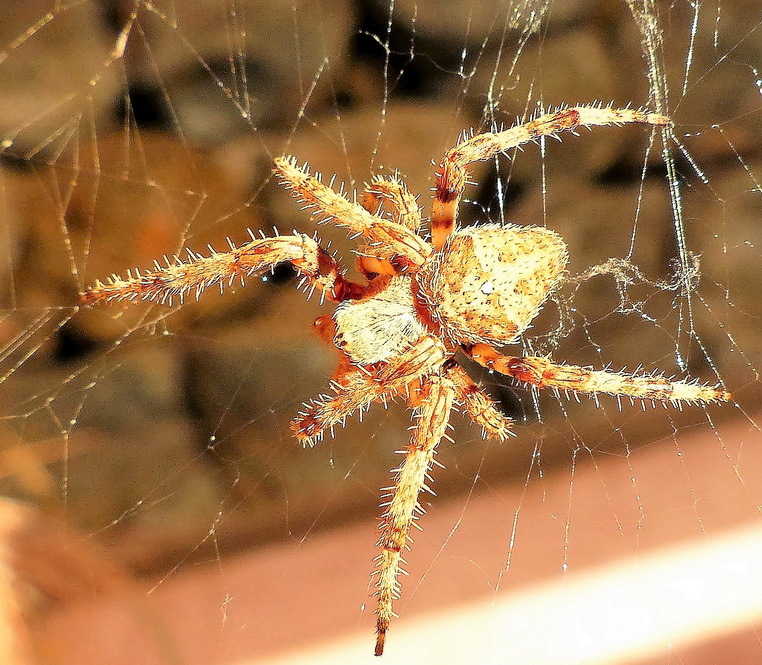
x=155 y=508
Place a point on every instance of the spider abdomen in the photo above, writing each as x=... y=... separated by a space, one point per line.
x=489 y=282
x=377 y=328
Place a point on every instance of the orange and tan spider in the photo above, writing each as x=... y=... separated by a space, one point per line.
x=466 y=291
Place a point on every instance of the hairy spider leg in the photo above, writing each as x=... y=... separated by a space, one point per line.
x=403 y=205
x=452 y=175
x=431 y=384
x=196 y=273
x=356 y=389
x=542 y=373
x=433 y=403
x=359 y=387
x=390 y=240
x=357 y=392
x=432 y=416
x=387 y=195
x=478 y=405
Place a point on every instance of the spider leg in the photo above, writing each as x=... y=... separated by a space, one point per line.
x=403 y=209
x=196 y=273
x=433 y=404
x=357 y=391
x=451 y=176
x=477 y=404
x=390 y=240
x=358 y=388
x=543 y=373
x=403 y=206
x=432 y=416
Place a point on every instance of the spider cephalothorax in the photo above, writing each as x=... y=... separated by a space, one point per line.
x=465 y=291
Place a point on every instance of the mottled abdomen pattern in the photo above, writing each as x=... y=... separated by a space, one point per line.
x=489 y=282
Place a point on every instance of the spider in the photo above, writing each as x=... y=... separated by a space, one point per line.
x=466 y=291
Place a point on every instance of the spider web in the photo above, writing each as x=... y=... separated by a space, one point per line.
x=157 y=509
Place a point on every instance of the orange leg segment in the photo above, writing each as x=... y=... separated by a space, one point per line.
x=359 y=387
x=478 y=405
x=196 y=273
x=387 y=195
x=390 y=240
x=452 y=175
x=542 y=373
